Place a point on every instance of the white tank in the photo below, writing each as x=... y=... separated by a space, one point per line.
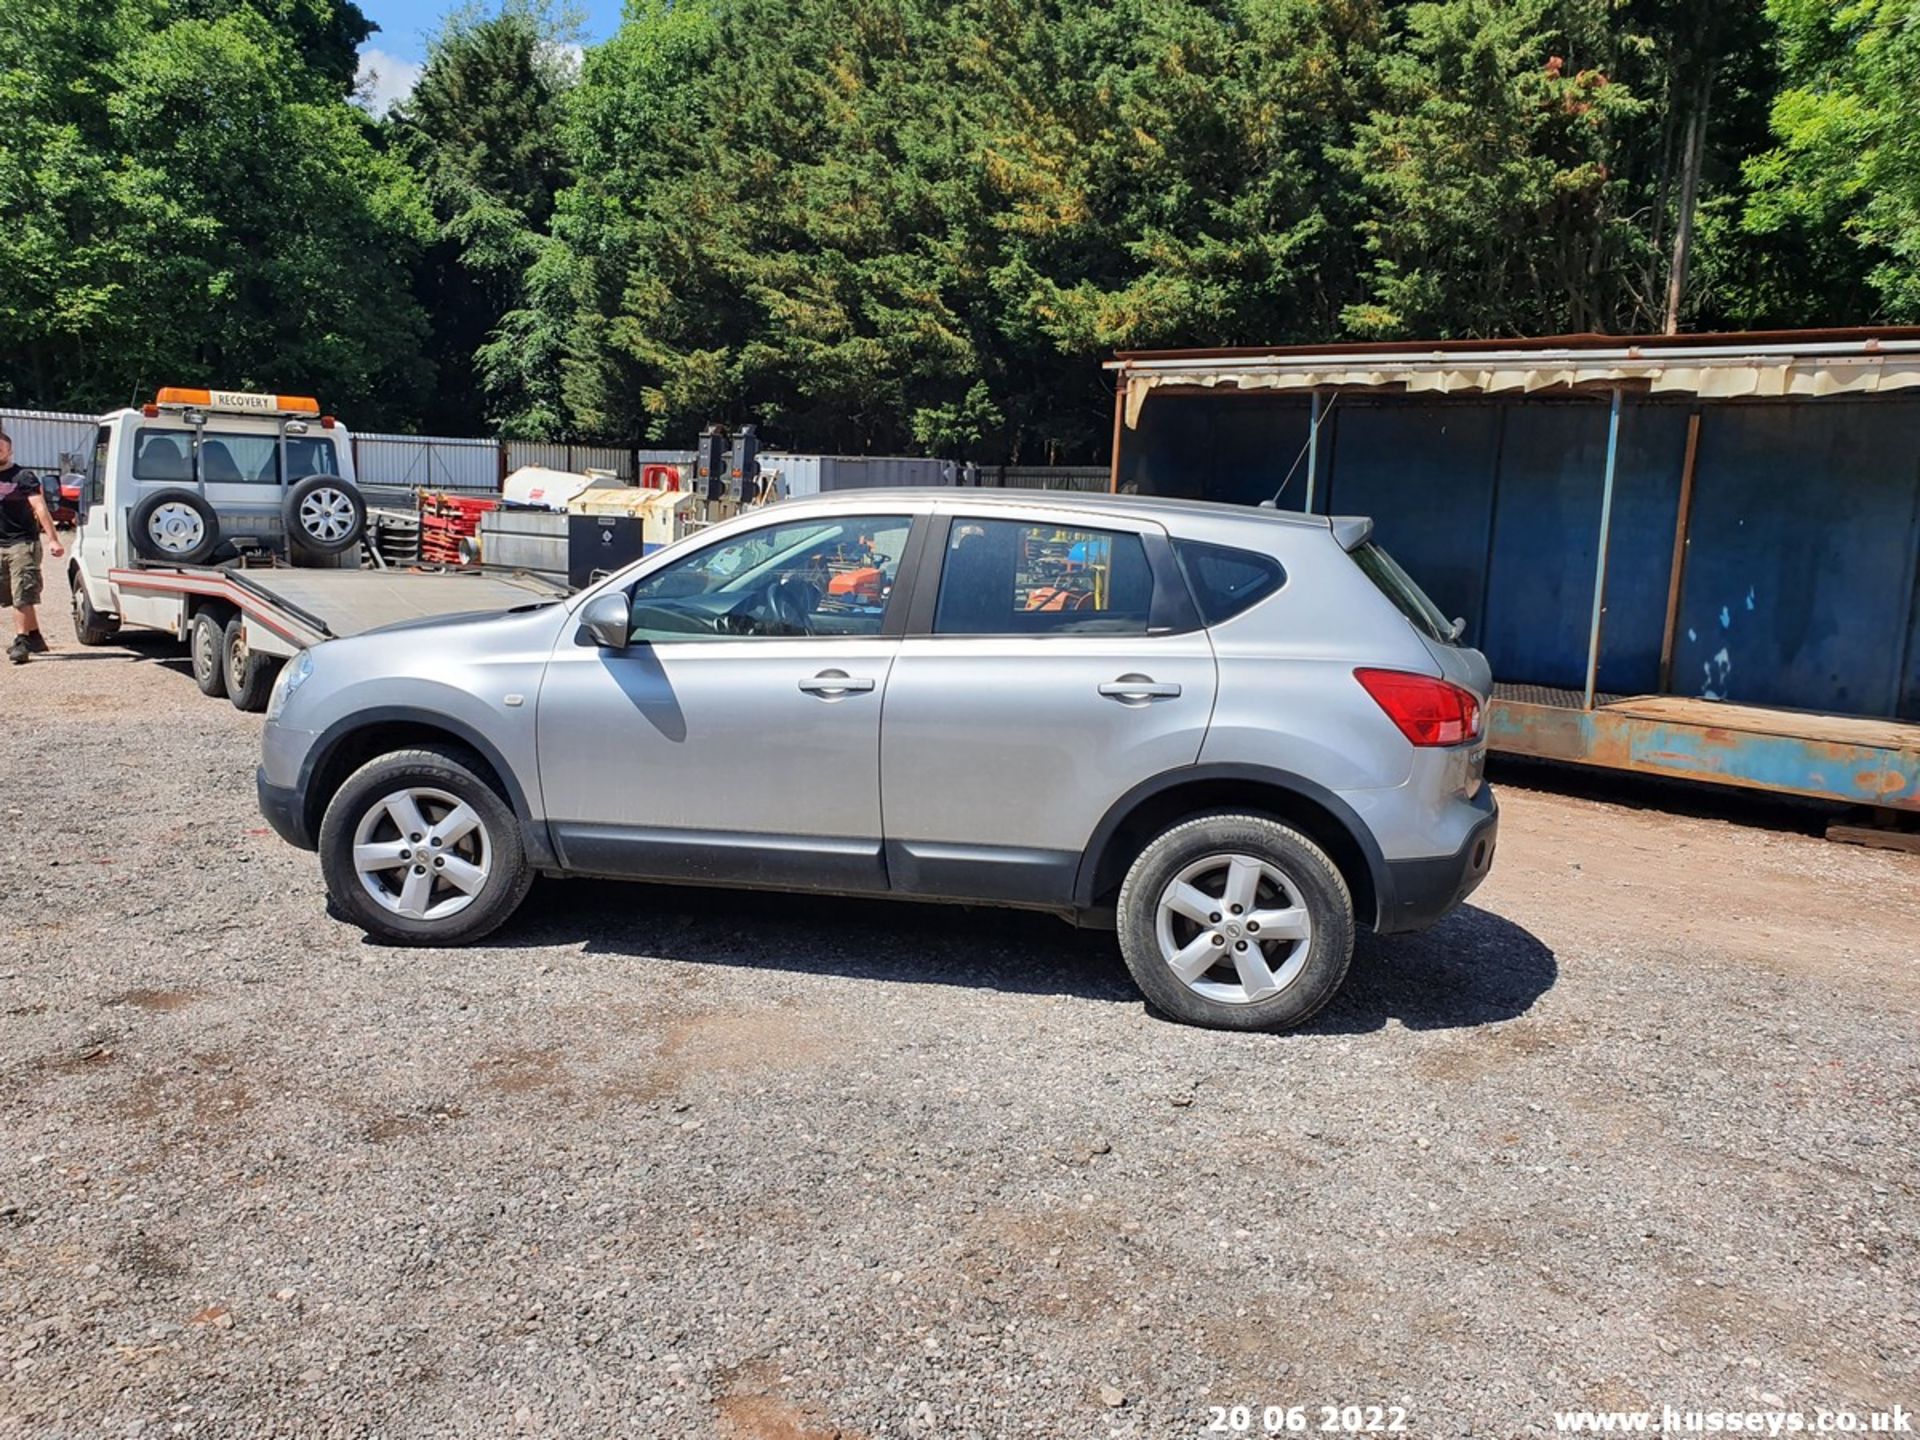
x=537 y=485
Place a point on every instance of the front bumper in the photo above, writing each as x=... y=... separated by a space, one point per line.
x=1418 y=893
x=284 y=811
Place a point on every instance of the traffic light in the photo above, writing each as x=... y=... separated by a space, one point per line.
x=746 y=463
x=710 y=468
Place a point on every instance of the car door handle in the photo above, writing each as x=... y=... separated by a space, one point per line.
x=1140 y=687
x=835 y=683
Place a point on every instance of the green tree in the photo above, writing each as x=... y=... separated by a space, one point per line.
x=482 y=130
x=1498 y=209
x=1847 y=162
x=191 y=200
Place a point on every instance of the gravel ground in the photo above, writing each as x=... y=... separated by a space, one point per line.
x=1637 y=1127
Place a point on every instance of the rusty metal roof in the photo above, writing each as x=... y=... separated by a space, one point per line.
x=1731 y=340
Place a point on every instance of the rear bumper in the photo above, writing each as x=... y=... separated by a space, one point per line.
x=1420 y=892
x=283 y=810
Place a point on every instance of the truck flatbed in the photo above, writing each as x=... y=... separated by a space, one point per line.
x=301 y=607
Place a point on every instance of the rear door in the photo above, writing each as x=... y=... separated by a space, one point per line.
x=1052 y=662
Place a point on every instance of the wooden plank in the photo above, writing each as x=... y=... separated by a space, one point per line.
x=1875 y=837
x=1677 y=573
x=1764 y=720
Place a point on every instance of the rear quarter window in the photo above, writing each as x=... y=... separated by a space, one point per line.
x=1225 y=581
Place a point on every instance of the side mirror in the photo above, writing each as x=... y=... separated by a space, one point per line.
x=608 y=620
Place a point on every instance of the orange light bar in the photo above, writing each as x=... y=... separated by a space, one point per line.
x=238 y=400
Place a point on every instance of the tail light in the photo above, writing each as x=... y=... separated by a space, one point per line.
x=1428 y=711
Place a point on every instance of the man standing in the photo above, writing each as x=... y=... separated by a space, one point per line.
x=23 y=517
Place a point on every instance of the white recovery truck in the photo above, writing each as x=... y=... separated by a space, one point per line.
x=232 y=521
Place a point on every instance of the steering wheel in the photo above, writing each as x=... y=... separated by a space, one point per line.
x=793 y=600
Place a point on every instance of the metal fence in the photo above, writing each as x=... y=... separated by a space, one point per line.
x=427 y=462
x=476 y=466
x=1047 y=477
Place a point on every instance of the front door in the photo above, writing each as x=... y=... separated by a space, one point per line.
x=1063 y=666
x=737 y=738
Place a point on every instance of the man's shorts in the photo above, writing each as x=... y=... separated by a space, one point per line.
x=20 y=573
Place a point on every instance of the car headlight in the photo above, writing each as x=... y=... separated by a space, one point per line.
x=292 y=676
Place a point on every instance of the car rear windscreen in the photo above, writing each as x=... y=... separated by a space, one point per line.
x=1399 y=587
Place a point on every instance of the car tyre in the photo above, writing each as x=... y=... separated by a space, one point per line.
x=206 y=649
x=324 y=514
x=249 y=675
x=1271 y=964
x=90 y=627
x=410 y=900
x=175 y=527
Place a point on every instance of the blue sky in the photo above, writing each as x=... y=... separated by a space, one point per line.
x=392 y=57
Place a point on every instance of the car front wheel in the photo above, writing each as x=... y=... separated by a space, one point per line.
x=1237 y=922
x=418 y=849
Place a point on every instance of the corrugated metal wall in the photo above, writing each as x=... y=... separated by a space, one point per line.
x=41 y=437
x=1801 y=587
x=428 y=462
x=1088 y=479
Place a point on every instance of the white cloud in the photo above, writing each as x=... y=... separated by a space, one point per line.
x=384 y=80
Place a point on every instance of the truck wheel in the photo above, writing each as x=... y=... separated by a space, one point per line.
x=419 y=850
x=207 y=645
x=325 y=514
x=1236 y=922
x=249 y=676
x=175 y=526
x=90 y=627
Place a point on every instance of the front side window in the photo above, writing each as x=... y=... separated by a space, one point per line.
x=97 y=475
x=1008 y=577
x=819 y=577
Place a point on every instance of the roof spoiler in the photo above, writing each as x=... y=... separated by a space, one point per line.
x=1352 y=531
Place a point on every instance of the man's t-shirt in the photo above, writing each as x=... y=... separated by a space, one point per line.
x=17 y=485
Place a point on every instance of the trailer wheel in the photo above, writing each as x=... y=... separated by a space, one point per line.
x=249 y=676
x=90 y=627
x=207 y=644
x=176 y=526
x=325 y=514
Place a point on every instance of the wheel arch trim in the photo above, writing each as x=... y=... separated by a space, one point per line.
x=326 y=747
x=1123 y=809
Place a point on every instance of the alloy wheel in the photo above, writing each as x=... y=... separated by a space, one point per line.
x=1233 y=928
x=422 y=853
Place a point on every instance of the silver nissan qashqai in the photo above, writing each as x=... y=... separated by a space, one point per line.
x=1230 y=733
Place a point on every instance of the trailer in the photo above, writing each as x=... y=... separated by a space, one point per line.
x=232 y=522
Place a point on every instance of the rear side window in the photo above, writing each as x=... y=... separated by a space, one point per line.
x=1003 y=577
x=1399 y=587
x=1226 y=581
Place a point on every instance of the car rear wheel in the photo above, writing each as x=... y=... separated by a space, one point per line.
x=206 y=644
x=1237 y=922
x=418 y=849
